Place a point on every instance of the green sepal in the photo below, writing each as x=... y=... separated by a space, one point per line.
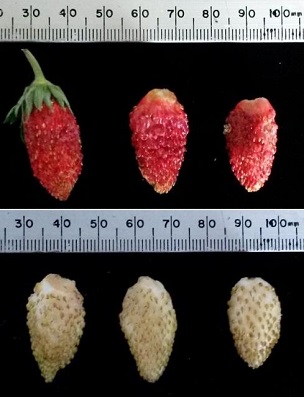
x=38 y=97
x=15 y=111
x=57 y=93
x=11 y=116
x=35 y=95
x=28 y=103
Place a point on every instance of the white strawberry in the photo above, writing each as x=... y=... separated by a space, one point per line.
x=148 y=321
x=254 y=313
x=55 y=321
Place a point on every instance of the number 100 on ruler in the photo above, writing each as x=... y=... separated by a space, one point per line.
x=151 y=231
x=152 y=21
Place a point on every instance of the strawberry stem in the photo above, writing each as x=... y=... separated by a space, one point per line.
x=38 y=73
x=39 y=92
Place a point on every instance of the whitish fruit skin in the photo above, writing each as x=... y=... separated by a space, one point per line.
x=254 y=313
x=148 y=321
x=55 y=321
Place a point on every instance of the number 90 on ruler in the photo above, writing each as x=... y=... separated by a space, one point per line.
x=151 y=230
x=172 y=21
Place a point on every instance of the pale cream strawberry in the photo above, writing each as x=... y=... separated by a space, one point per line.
x=254 y=313
x=149 y=323
x=55 y=321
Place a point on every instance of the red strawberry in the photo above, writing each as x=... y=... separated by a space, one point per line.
x=159 y=128
x=251 y=138
x=51 y=134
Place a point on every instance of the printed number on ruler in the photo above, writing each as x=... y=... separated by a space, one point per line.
x=151 y=230
x=152 y=21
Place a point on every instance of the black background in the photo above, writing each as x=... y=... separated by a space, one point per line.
x=103 y=82
x=204 y=360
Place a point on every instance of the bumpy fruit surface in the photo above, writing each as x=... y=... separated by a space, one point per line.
x=254 y=313
x=51 y=134
x=159 y=128
x=251 y=139
x=148 y=321
x=55 y=321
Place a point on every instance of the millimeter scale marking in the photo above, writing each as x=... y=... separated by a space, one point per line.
x=152 y=230
x=152 y=21
x=163 y=231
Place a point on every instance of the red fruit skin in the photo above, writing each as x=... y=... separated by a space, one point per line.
x=251 y=139
x=159 y=128
x=52 y=139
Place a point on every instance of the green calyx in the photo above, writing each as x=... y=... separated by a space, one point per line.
x=35 y=95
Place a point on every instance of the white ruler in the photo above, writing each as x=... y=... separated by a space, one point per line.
x=168 y=231
x=152 y=21
x=64 y=21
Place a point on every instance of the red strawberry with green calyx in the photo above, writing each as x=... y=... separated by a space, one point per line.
x=51 y=133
